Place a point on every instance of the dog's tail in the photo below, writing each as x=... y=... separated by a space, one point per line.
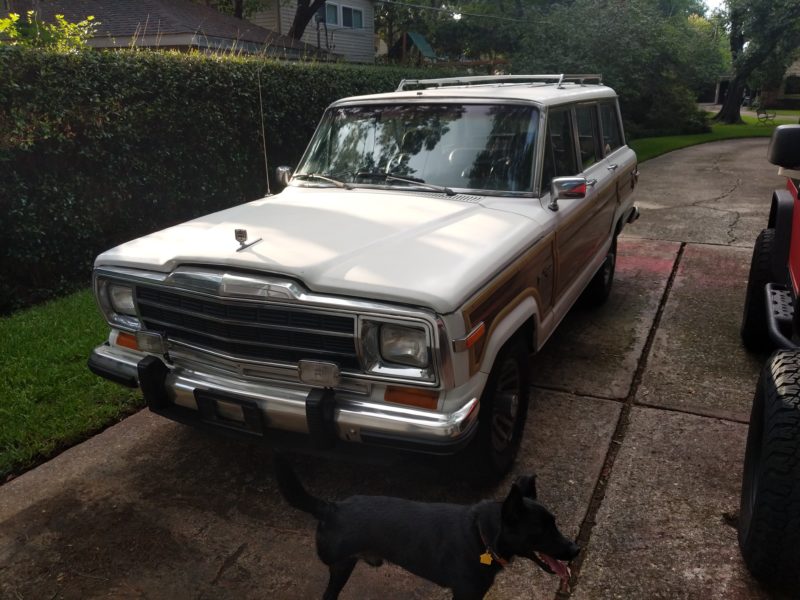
x=295 y=493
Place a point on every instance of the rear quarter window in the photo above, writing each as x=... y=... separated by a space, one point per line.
x=609 y=122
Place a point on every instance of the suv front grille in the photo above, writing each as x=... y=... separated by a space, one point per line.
x=249 y=330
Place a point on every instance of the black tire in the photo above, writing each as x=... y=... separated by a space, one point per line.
x=599 y=288
x=754 y=332
x=769 y=521
x=503 y=411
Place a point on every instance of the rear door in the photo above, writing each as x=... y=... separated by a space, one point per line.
x=573 y=246
x=601 y=175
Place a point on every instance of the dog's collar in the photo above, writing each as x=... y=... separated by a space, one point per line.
x=490 y=555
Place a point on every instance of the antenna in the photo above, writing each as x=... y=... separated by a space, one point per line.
x=263 y=131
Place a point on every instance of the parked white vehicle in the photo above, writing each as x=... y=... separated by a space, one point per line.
x=429 y=240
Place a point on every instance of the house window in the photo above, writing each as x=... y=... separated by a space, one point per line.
x=352 y=17
x=329 y=14
x=346 y=16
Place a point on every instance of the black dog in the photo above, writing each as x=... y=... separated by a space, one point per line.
x=458 y=547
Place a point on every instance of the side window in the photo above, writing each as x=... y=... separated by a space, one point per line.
x=559 y=152
x=612 y=132
x=586 y=118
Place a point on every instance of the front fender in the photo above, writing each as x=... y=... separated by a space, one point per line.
x=524 y=315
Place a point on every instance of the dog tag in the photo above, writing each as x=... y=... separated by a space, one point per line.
x=486 y=558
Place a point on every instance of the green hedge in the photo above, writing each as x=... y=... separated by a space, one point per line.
x=97 y=148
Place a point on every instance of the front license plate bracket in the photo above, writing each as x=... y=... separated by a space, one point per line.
x=220 y=409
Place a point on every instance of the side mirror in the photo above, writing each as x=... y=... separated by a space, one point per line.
x=566 y=187
x=283 y=175
x=784 y=147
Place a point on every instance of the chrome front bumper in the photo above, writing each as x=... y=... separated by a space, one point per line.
x=252 y=408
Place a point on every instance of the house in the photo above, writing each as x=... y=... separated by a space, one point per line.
x=169 y=24
x=345 y=28
x=787 y=94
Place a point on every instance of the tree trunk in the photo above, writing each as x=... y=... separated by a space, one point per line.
x=730 y=111
x=238 y=9
x=305 y=11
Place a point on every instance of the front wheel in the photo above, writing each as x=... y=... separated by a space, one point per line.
x=503 y=411
x=769 y=521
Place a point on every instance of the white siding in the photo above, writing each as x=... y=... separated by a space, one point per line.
x=355 y=45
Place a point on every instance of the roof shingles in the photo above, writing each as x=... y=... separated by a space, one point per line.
x=142 y=18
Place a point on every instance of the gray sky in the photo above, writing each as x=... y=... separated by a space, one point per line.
x=712 y=4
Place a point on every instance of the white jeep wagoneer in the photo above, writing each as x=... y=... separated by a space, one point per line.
x=428 y=241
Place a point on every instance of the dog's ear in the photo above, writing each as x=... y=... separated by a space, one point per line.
x=527 y=485
x=513 y=505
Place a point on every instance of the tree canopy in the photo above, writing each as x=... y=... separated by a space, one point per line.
x=658 y=54
x=764 y=37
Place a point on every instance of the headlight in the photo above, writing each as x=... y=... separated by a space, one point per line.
x=404 y=345
x=397 y=350
x=117 y=302
x=121 y=298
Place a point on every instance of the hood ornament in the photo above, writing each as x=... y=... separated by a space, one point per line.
x=241 y=237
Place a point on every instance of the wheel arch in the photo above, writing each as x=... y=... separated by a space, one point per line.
x=780 y=219
x=521 y=320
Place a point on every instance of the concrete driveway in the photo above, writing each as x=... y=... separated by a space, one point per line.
x=637 y=435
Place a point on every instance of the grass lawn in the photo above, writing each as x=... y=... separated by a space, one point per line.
x=647 y=148
x=48 y=397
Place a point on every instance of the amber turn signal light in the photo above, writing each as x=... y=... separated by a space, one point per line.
x=412 y=397
x=126 y=340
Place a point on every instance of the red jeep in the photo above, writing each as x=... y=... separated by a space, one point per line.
x=769 y=523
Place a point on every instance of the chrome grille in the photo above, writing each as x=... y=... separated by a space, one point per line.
x=249 y=330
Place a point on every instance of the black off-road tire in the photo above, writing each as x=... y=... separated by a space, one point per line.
x=502 y=416
x=755 y=334
x=769 y=521
x=599 y=288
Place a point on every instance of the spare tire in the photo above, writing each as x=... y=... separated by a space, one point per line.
x=769 y=521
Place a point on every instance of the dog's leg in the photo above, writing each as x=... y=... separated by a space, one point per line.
x=468 y=595
x=340 y=573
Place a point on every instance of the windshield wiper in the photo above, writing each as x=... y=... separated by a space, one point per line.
x=336 y=182
x=410 y=180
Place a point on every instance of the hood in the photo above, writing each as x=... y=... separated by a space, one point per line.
x=420 y=249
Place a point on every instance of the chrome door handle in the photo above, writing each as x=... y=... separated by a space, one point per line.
x=612 y=167
x=591 y=182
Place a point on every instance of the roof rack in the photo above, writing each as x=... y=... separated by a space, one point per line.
x=559 y=80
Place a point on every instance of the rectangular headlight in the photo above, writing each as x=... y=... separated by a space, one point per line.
x=117 y=303
x=121 y=298
x=404 y=345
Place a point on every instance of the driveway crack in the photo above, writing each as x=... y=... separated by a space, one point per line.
x=590 y=519
x=721 y=197
x=731 y=234
x=229 y=562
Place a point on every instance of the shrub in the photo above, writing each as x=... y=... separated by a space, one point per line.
x=97 y=148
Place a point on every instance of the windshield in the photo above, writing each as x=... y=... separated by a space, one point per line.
x=466 y=146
